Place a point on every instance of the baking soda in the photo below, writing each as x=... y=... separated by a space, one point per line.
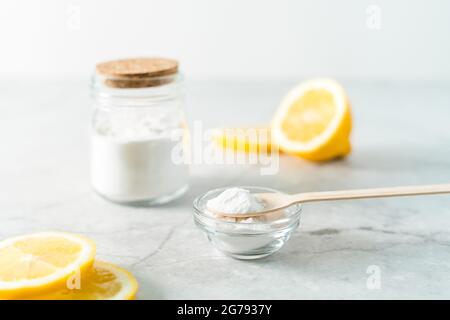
x=235 y=201
x=131 y=158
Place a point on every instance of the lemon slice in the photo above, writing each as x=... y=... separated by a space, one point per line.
x=246 y=139
x=105 y=281
x=41 y=262
x=314 y=121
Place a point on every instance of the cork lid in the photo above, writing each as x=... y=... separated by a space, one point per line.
x=137 y=72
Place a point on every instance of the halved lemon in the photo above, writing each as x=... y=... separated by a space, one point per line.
x=42 y=262
x=314 y=121
x=246 y=139
x=105 y=281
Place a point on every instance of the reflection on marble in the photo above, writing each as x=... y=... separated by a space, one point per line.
x=401 y=136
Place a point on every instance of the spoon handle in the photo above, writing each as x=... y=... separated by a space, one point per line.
x=371 y=193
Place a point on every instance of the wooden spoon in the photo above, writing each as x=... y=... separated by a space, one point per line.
x=277 y=201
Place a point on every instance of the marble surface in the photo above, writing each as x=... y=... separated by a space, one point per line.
x=401 y=136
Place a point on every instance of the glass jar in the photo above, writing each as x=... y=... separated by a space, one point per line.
x=138 y=133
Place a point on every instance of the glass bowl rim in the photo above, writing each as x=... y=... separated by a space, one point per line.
x=198 y=212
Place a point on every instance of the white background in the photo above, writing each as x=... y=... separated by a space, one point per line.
x=247 y=38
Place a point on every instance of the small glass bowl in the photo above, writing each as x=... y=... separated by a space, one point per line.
x=246 y=240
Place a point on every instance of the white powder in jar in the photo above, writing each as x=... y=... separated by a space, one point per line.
x=131 y=157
